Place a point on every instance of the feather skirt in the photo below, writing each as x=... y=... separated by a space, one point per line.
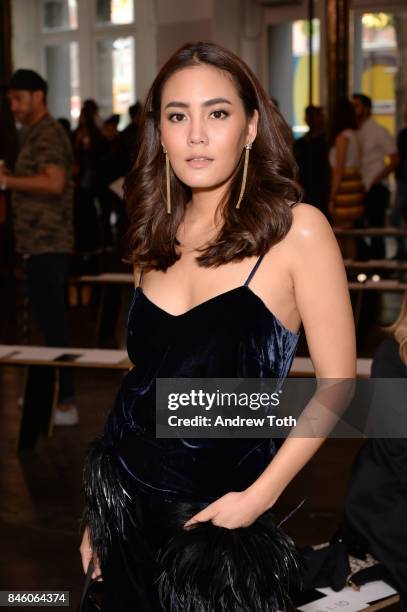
x=204 y=569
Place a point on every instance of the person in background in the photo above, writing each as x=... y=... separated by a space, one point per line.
x=311 y=153
x=377 y=144
x=399 y=213
x=89 y=146
x=345 y=160
x=42 y=202
x=129 y=136
x=375 y=512
x=8 y=155
x=110 y=127
x=345 y=152
x=66 y=124
x=112 y=166
x=91 y=109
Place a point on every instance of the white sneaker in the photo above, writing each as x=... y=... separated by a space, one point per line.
x=66 y=417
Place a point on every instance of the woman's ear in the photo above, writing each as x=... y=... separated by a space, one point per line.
x=252 y=127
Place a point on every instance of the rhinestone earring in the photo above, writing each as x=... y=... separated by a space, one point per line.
x=244 y=178
x=168 y=180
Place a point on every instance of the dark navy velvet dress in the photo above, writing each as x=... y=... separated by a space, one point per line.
x=231 y=335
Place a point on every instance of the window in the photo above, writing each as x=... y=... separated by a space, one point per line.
x=289 y=69
x=62 y=70
x=114 y=11
x=59 y=14
x=305 y=91
x=87 y=50
x=115 y=75
x=375 y=59
x=378 y=68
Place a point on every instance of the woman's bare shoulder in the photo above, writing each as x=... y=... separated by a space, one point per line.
x=309 y=223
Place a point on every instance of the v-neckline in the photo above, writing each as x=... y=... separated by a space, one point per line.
x=212 y=299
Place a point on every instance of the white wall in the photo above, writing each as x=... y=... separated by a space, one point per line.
x=288 y=14
x=25 y=43
x=177 y=11
x=235 y=24
x=227 y=20
x=146 y=46
x=179 y=22
x=171 y=36
x=161 y=27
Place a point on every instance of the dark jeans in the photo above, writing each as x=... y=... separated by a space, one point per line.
x=46 y=275
x=376 y=202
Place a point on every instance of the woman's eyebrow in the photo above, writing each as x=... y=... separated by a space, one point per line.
x=206 y=103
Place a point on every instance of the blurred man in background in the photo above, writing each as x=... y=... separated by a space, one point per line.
x=376 y=144
x=311 y=153
x=42 y=202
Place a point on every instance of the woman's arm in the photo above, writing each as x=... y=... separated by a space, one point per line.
x=322 y=298
x=323 y=301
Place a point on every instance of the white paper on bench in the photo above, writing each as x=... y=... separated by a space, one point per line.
x=38 y=353
x=304 y=365
x=337 y=601
x=108 y=277
x=6 y=349
x=122 y=277
x=102 y=356
x=370 y=592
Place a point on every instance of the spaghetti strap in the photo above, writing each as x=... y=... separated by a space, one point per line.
x=253 y=272
x=139 y=278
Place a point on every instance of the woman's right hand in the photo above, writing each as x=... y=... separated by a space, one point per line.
x=87 y=555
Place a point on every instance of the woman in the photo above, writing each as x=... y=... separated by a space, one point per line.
x=347 y=191
x=375 y=511
x=227 y=265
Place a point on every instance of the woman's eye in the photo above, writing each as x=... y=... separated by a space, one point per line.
x=220 y=114
x=176 y=117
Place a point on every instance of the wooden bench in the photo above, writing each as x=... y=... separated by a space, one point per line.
x=381 y=285
x=103 y=281
x=115 y=278
x=302 y=367
x=41 y=380
x=391 y=285
x=393 y=232
x=127 y=279
x=375 y=264
x=388 y=285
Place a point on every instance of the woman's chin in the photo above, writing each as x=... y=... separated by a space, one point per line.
x=204 y=184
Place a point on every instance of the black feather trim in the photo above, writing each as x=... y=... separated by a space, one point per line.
x=207 y=568
x=107 y=498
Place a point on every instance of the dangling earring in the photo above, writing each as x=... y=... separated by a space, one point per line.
x=168 y=180
x=246 y=163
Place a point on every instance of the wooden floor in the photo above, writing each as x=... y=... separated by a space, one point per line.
x=40 y=490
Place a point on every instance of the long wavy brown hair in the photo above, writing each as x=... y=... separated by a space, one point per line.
x=265 y=215
x=399 y=330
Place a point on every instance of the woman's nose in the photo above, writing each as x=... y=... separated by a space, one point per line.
x=197 y=133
